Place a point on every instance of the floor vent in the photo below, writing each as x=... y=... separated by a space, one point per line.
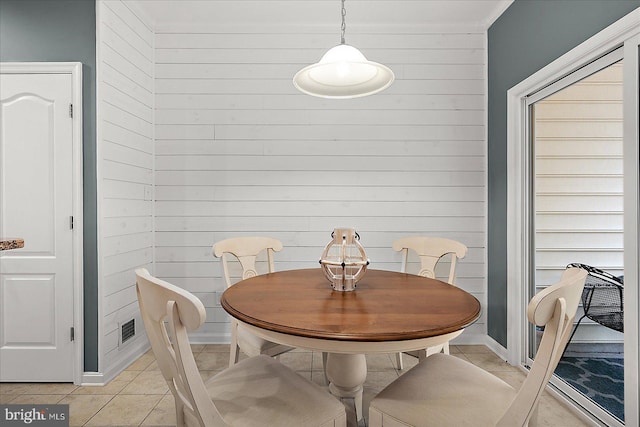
x=127 y=331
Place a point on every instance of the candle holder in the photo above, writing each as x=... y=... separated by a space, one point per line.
x=344 y=260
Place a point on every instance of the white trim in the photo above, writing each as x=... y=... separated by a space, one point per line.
x=470 y=339
x=464 y=339
x=572 y=407
x=102 y=379
x=93 y=379
x=153 y=166
x=496 y=347
x=485 y=259
x=99 y=236
x=130 y=355
x=517 y=177
x=584 y=72
x=516 y=227
x=75 y=69
x=497 y=8
x=631 y=167
x=598 y=45
x=496 y=13
x=210 y=337
x=328 y=29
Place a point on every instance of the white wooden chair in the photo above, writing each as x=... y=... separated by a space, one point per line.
x=246 y=251
x=445 y=390
x=258 y=391
x=430 y=250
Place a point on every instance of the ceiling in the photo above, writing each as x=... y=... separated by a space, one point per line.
x=381 y=14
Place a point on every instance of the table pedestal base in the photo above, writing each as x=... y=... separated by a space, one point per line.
x=346 y=374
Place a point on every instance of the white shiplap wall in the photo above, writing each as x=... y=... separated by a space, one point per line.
x=579 y=177
x=240 y=152
x=125 y=152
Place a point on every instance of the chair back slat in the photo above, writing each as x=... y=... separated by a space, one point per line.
x=555 y=309
x=163 y=304
x=246 y=250
x=431 y=250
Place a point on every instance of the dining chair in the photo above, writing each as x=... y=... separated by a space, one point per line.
x=444 y=390
x=258 y=391
x=431 y=251
x=246 y=251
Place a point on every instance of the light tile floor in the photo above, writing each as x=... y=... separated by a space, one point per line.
x=139 y=396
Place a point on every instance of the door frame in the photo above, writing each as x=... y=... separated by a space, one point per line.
x=75 y=70
x=624 y=32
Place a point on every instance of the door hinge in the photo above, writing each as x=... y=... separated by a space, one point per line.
x=71 y=222
x=73 y=334
x=71 y=110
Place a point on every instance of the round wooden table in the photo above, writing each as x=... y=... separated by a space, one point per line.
x=389 y=312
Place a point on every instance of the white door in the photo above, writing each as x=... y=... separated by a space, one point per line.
x=36 y=204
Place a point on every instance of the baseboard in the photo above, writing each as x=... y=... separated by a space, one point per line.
x=225 y=338
x=209 y=338
x=135 y=351
x=469 y=339
x=125 y=358
x=496 y=347
x=92 y=379
x=103 y=378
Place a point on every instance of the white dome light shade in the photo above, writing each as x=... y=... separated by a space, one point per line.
x=343 y=72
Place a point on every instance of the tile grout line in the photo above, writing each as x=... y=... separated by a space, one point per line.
x=101 y=408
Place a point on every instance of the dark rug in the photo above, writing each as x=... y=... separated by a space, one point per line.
x=600 y=379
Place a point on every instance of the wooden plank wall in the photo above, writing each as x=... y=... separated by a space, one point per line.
x=579 y=177
x=126 y=148
x=240 y=152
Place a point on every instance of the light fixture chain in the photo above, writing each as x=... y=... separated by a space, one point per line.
x=344 y=25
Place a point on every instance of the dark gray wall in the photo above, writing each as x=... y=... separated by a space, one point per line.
x=65 y=31
x=529 y=35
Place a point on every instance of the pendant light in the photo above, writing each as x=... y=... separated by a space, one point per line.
x=343 y=72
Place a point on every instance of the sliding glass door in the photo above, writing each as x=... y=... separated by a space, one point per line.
x=577 y=216
x=574 y=196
